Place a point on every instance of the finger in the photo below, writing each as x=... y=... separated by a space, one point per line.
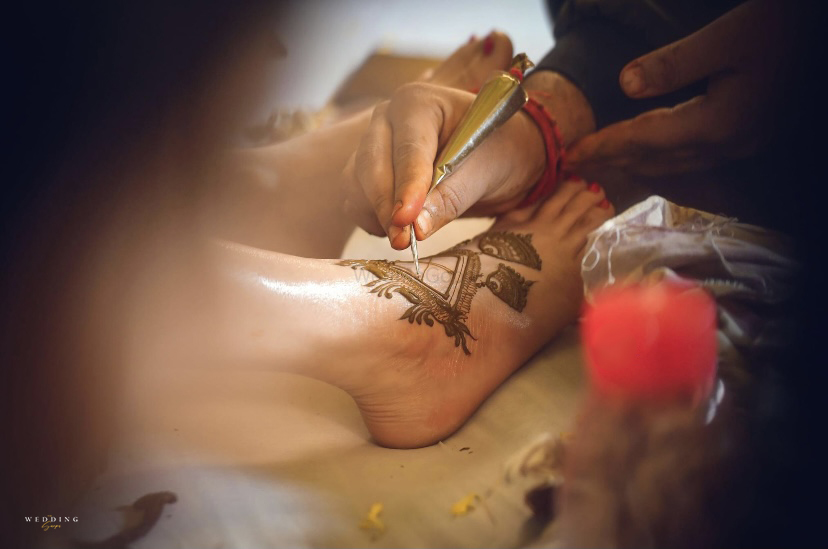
x=690 y=124
x=653 y=163
x=416 y=120
x=709 y=50
x=675 y=162
x=356 y=206
x=372 y=165
x=447 y=202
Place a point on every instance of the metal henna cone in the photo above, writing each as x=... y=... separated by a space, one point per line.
x=500 y=97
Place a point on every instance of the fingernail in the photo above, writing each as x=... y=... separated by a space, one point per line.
x=397 y=207
x=424 y=222
x=488 y=45
x=594 y=187
x=393 y=233
x=632 y=80
x=604 y=204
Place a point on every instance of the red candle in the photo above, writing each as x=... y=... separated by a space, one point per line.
x=651 y=341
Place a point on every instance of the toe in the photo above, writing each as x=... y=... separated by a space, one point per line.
x=498 y=47
x=579 y=205
x=470 y=65
x=593 y=218
x=553 y=206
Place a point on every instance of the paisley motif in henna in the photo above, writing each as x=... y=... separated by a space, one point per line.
x=509 y=286
x=516 y=248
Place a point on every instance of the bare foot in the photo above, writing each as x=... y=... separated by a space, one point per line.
x=418 y=354
x=504 y=295
x=469 y=66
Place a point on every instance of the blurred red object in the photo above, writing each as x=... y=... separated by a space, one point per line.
x=651 y=341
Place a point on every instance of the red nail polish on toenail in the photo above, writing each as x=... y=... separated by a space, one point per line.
x=604 y=204
x=594 y=187
x=488 y=45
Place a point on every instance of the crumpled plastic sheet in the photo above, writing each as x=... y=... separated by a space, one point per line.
x=750 y=271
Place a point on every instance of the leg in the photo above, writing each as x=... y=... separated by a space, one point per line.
x=417 y=355
x=285 y=196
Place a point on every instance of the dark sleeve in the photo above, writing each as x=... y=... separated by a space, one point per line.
x=594 y=40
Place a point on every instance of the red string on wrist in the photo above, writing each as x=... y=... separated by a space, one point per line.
x=554 y=151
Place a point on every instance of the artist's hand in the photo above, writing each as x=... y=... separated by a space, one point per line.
x=741 y=54
x=390 y=173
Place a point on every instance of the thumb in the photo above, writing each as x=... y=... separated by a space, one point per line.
x=448 y=201
x=697 y=56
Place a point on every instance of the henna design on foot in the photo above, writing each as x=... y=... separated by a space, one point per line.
x=450 y=307
x=446 y=294
x=516 y=248
x=509 y=286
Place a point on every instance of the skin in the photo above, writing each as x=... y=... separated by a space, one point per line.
x=268 y=195
x=403 y=139
x=741 y=54
x=233 y=305
x=445 y=288
x=414 y=385
x=319 y=318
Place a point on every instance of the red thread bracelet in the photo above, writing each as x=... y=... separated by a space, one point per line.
x=554 y=151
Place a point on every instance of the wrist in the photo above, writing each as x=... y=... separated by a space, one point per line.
x=553 y=148
x=564 y=101
x=559 y=114
x=570 y=113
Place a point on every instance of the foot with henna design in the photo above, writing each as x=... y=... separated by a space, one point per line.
x=417 y=354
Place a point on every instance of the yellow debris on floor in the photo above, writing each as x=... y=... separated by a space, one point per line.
x=465 y=505
x=372 y=521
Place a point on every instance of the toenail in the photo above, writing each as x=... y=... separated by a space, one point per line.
x=424 y=222
x=488 y=45
x=604 y=204
x=594 y=187
x=472 y=38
